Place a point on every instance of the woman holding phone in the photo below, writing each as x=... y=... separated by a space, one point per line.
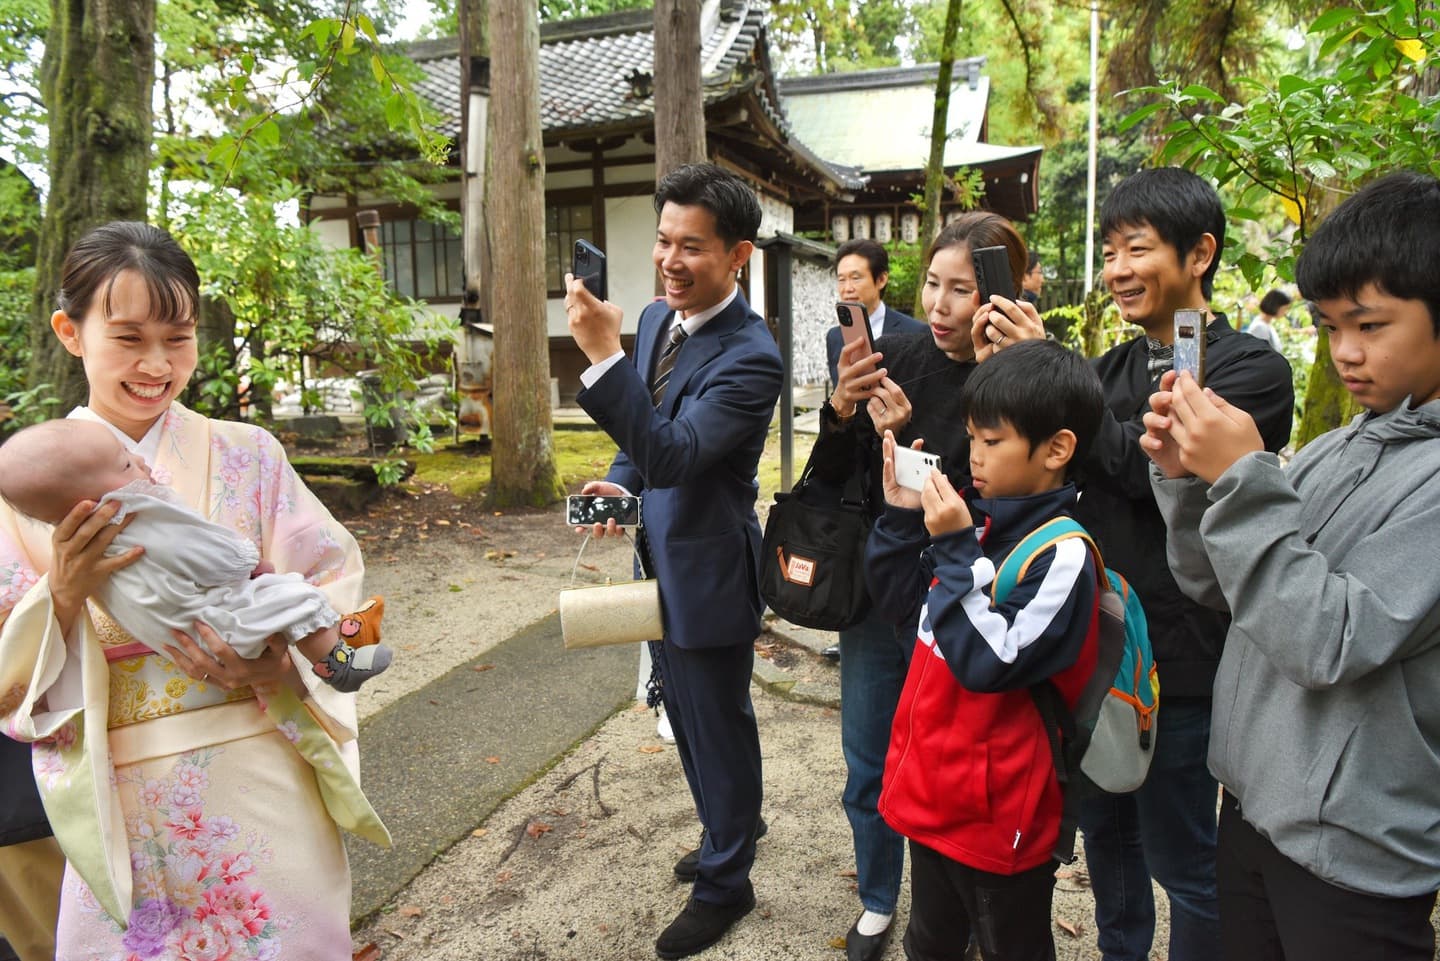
x=911 y=385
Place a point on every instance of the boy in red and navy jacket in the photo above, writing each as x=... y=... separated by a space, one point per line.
x=969 y=778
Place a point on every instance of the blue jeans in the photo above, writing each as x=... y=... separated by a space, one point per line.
x=872 y=672
x=1165 y=830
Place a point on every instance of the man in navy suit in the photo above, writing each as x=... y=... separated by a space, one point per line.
x=862 y=268
x=690 y=416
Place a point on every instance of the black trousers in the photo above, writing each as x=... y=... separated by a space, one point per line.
x=1272 y=909
x=1008 y=915
x=707 y=697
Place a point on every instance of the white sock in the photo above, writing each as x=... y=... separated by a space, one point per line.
x=871 y=924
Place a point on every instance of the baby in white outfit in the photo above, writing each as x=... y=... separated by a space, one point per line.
x=191 y=569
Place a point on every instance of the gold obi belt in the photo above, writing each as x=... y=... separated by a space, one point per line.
x=145 y=685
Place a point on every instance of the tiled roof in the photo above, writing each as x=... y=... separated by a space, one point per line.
x=596 y=75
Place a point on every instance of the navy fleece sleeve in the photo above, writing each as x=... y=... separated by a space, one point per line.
x=895 y=570
x=1035 y=633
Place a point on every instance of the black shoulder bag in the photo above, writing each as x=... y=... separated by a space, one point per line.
x=812 y=560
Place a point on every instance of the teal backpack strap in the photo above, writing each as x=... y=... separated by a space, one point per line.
x=1017 y=562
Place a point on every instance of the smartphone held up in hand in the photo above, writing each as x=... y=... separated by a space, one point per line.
x=992 y=273
x=912 y=467
x=582 y=510
x=854 y=322
x=589 y=265
x=1190 y=343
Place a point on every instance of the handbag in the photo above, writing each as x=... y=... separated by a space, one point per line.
x=609 y=613
x=812 y=558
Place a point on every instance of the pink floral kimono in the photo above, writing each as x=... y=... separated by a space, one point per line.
x=199 y=824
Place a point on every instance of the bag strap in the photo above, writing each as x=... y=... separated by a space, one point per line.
x=1017 y=562
x=634 y=546
x=856 y=489
x=1055 y=715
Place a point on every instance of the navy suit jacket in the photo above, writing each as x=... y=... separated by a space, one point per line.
x=694 y=462
x=894 y=323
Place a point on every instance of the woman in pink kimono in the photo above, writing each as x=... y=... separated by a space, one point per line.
x=199 y=800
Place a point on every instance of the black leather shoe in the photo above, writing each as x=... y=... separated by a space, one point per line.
x=866 y=947
x=700 y=924
x=689 y=865
x=831 y=653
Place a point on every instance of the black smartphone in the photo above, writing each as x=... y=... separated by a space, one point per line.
x=992 y=273
x=589 y=265
x=1190 y=343
x=582 y=510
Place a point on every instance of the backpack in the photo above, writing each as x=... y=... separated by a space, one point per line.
x=1107 y=742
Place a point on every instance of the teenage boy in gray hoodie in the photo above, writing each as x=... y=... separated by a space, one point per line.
x=1326 y=731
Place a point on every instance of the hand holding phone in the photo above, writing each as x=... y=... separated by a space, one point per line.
x=583 y=510
x=992 y=273
x=589 y=266
x=1190 y=343
x=913 y=467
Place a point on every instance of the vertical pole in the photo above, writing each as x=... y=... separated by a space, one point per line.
x=784 y=306
x=1094 y=141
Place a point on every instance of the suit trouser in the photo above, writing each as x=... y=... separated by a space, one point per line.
x=707 y=697
x=30 y=877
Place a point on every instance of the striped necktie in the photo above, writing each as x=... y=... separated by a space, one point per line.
x=666 y=363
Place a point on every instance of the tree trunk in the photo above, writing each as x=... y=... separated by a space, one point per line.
x=1327 y=403
x=939 y=132
x=96 y=80
x=524 y=451
x=679 y=100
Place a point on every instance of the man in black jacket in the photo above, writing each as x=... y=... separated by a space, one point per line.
x=31 y=865
x=1163 y=231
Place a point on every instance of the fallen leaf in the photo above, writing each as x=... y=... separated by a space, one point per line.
x=838 y=943
x=492 y=759
x=651 y=748
x=503 y=876
x=442 y=522
x=1072 y=928
x=848 y=873
x=479 y=832
x=412 y=911
x=537 y=828
x=454 y=588
x=481 y=668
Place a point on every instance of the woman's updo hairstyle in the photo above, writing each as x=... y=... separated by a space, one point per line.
x=106 y=252
x=981 y=228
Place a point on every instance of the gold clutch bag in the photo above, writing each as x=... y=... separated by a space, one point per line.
x=620 y=613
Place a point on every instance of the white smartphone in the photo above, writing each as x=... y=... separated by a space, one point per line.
x=1190 y=343
x=582 y=510
x=912 y=467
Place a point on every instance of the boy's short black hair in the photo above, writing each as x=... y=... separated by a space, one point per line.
x=1388 y=235
x=730 y=199
x=1272 y=303
x=1039 y=387
x=871 y=250
x=1180 y=206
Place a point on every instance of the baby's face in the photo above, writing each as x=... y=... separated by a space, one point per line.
x=118 y=467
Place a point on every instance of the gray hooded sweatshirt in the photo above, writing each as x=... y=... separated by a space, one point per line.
x=1327 y=700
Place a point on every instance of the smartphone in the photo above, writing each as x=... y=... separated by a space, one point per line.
x=589 y=265
x=854 y=323
x=912 y=467
x=1190 y=343
x=992 y=273
x=582 y=510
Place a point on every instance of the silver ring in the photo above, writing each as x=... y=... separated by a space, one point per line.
x=204 y=678
x=1001 y=340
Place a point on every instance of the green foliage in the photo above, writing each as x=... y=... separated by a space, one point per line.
x=20 y=224
x=827 y=36
x=1301 y=143
x=295 y=298
x=22 y=115
x=338 y=42
x=903 y=290
x=19 y=406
